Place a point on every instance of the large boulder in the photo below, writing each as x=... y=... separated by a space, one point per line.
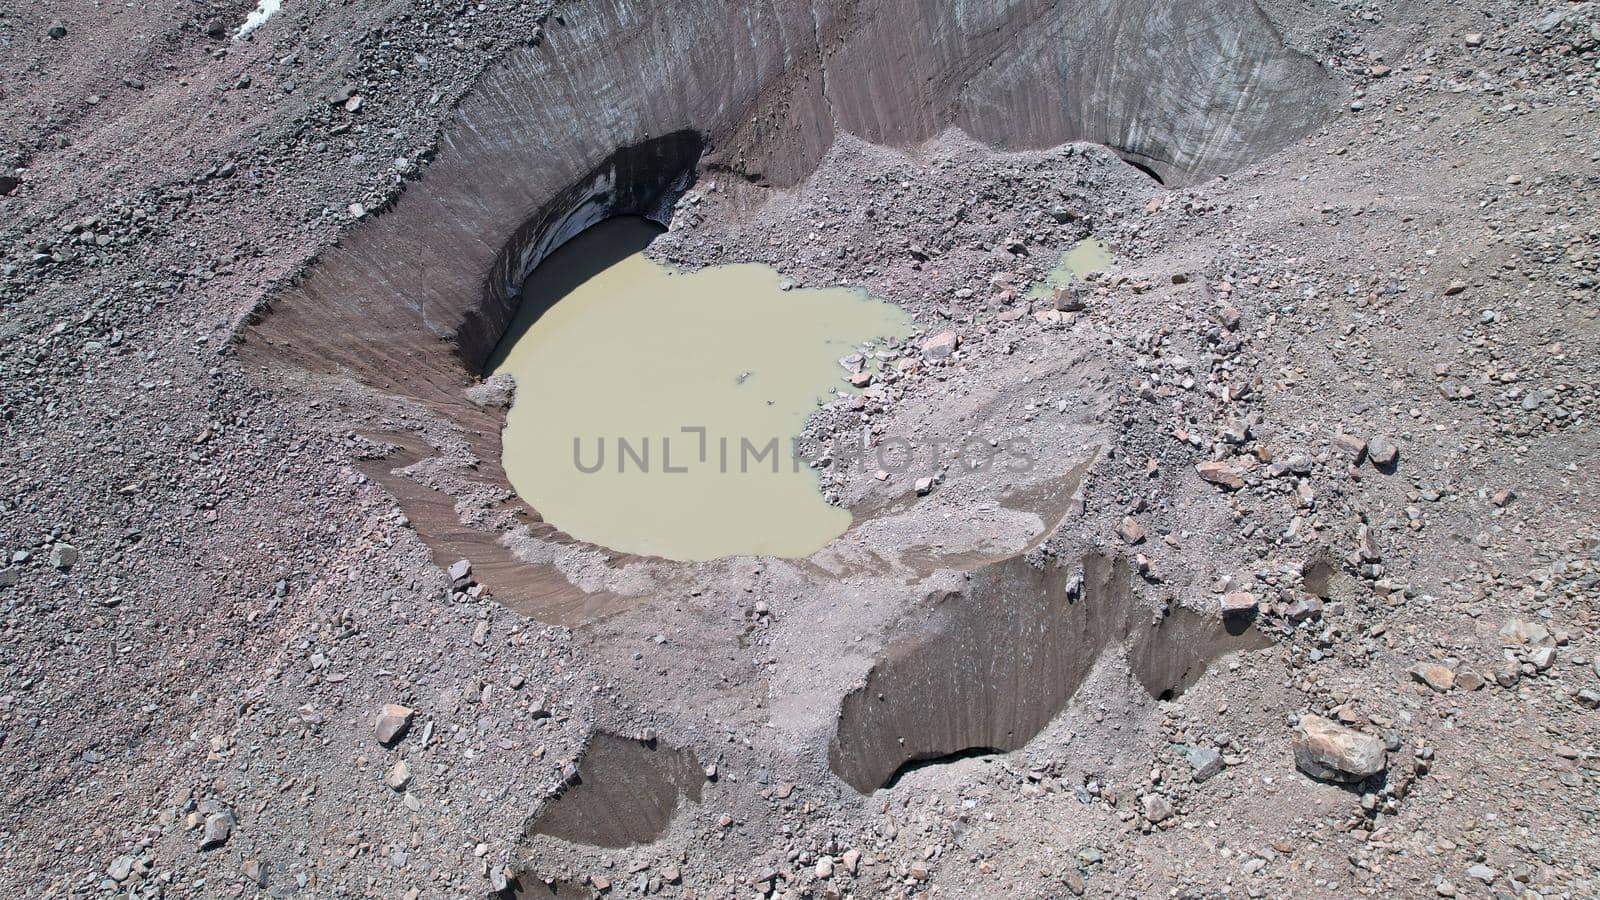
x=1329 y=751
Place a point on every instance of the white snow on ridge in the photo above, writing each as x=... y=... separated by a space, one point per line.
x=264 y=10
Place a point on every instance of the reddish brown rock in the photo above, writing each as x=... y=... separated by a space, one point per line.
x=1220 y=474
x=1238 y=603
x=1435 y=676
x=392 y=723
x=1351 y=446
x=1130 y=531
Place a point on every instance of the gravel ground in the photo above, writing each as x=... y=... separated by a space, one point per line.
x=1355 y=382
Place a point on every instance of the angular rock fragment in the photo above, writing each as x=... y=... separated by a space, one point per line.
x=398 y=776
x=391 y=723
x=1367 y=544
x=1204 y=762
x=1220 y=474
x=63 y=555
x=1382 y=452
x=1351 y=446
x=218 y=828
x=1072 y=297
x=1295 y=464
x=495 y=392
x=1130 y=531
x=1519 y=632
x=1326 y=750
x=1238 y=604
x=940 y=346
x=1156 y=808
x=254 y=872
x=1307 y=607
x=1435 y=676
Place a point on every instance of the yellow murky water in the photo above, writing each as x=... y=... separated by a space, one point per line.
x=1086 y=256
x=655 y=408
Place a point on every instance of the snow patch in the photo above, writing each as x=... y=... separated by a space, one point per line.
x=265 y=9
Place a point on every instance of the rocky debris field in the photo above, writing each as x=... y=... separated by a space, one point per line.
x=1346 y=395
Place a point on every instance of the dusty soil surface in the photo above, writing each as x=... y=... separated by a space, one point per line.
x=1356 y=382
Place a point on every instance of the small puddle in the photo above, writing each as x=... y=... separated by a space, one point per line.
x=656 y=409
x=1084 y=257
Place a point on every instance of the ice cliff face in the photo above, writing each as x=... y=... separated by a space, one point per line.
x=619 y=101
